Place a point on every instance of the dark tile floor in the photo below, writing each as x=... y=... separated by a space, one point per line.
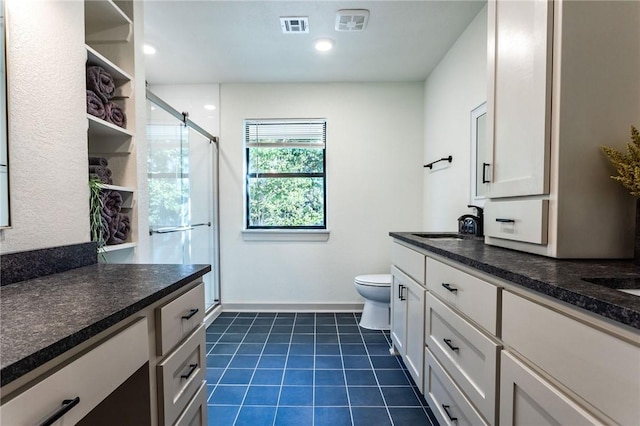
x=306 y=369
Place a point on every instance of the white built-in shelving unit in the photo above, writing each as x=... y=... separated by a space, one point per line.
x=109 y=40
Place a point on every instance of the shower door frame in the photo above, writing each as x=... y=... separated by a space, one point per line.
x=184 y=118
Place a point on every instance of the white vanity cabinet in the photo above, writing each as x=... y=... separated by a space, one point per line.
x=408 y=309
x=80 y=386
x=462 y=347
x=566 y=358
x=562 y=83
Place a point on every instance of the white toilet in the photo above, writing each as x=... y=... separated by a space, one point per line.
x=376 y=290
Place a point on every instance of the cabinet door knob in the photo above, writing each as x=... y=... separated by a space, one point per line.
x=191 y=313
x=66 y=406
x=448 y=343
x=448 y=287
x=446 y=410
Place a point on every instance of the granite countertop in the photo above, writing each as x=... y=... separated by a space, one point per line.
x=44 y=317
x=560 y=279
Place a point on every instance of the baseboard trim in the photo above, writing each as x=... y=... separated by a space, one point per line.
x=212 y=314
x=292 y=307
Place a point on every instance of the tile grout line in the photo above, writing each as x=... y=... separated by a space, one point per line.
x=244 y=397
x=225 y=369
x=373 y=368
x=344 y=371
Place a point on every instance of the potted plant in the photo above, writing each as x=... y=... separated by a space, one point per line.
x=95 y=213
x=628 y=168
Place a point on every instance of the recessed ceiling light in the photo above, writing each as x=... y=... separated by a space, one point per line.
x=148 y=49
x=210 y=107
x=324 y=44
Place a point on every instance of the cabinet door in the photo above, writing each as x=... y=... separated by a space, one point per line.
x=519 y=108
x=414 y=358
x=398 y=310
x=527 y=399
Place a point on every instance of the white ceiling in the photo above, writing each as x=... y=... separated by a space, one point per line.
x=219 y=41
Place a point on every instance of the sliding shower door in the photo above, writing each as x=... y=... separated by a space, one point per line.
x=182 y=213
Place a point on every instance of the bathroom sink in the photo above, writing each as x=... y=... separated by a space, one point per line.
x=630 y=285
x=440 y=236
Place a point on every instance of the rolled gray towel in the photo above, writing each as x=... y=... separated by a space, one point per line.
x=100 y=82
x=105 y=222
x=98 y=161
x=95 y=106
x=114 y=114
x=104 y=174
x=112 y=203
x=122 y=230
x=113 y=229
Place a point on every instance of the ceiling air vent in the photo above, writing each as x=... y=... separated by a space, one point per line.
x=352 y=19
x=294 y=24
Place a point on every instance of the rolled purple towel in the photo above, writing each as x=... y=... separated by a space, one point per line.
x=104 y=174
x=114 y=114
x=113 y=229
x=112 y=203
x=98 y=161
x=100 y=82
x=95 y=106
x=123 y=229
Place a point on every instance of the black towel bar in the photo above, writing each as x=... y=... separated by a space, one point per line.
x=430 y=165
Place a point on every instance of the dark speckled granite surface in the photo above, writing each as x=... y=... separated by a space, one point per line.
x=45 y=317
x=560 y=279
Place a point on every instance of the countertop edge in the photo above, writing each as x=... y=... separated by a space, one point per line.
x=19 y=368
x=611 y=311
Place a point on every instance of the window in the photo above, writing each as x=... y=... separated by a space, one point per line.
x=286 y=179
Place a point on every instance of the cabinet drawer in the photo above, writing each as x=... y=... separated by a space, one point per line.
x=196 y=412
x=470 y=357
x=180 y=375
x=178 y=318
x=521 y=220
x=445 y=399
x=473 y=297
x=597 y=366
x=91 y=378
x=409 y=261
x=527 y=399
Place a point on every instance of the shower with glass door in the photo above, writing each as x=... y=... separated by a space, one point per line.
x=182 y=163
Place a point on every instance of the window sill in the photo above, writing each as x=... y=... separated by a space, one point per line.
x=285 y=235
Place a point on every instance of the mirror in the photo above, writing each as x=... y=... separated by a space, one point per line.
x=479 y=149
x=4 y=157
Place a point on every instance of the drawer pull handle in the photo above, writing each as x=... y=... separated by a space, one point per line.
x=446 y=410
x=501 y=220
x=402 y=292
x=192 y=368
x=66 y=406
x=484 y=169
x=448 y=343
x=192 y=312
x=448 y=287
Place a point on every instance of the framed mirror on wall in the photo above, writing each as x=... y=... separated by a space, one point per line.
x=479 y=151
x=5 y=220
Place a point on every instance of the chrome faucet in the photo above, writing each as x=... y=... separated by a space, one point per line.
x=469 y=224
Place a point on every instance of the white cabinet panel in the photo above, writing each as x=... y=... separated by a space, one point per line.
x=519 y=220
x=602 y=369
x=398 y=311
x=470 y=357
x=408 y=261
x=415 y=330
x=178 y=318
x=446 y=400
x=526 y=399
x=519 y=107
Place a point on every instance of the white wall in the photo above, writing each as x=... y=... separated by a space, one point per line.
x=47 y=126
x=456 y=86
x=374 y=170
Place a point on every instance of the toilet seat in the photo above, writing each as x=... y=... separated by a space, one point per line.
x=374 y=280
